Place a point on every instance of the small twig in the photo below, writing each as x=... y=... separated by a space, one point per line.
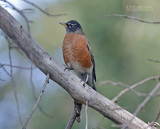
x=28 y=10
x=4 y=69
x=157 y=117
x=34 y=5
x=98 y=123
x=34 y=93
x=115 y=99
x=72 y=119
x=141 y=105
x=147 y=99
x=12 y=80
x=86 y=127
x=153 y=124
x=14 y=66
x=113 y=83
x=37 y=102
x=122 y=85
x=153 y=60
x=2 y=79
x=107 y=82
x=132 y=18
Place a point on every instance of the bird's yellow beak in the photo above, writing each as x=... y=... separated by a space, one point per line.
x=63 y=24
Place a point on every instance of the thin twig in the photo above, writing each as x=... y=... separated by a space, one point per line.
x=14 y=66
x=122 y=85
x=153 y=124
x=2 y=79
x=147 y=99
x=107 y=82
x=28 y=10
x=40 y=9
x=37 y=102
x=86 y=127
x=72 y=119
x=153 y=60
x=97 y=126
x=12 y=80
x=4 y=69
x=141 y=105
x=113 y=83
x=133 y=18
x=34 y=93
x=157 y=117
x=115 y=99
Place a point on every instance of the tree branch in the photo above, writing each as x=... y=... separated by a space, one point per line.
x=72 y=119
x=115 y=99
x=86 y=127
x=40 y=9
x=37 y=102
x=132 y=18
x=141 y=105
x=34 y=94
x=70 y=82
x=13 y=82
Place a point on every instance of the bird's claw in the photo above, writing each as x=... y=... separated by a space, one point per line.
x=67 y=68
x=83 y=82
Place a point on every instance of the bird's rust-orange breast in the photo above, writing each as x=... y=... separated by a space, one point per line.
x=75 y=50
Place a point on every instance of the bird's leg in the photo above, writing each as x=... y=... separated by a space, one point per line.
x=66 y=67
x=85 y=80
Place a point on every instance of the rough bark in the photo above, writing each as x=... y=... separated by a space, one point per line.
x=67 y=80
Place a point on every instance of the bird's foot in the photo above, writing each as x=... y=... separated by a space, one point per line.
x=83 y=82
x=86 y=80
x=67 y=68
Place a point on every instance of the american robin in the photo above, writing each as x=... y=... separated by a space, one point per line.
x=77 y=53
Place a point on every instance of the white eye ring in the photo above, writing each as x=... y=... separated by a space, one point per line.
x=71 y=25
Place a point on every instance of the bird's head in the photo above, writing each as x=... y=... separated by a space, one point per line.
x=72 y=27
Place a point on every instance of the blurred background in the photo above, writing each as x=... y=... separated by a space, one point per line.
x=121 y=48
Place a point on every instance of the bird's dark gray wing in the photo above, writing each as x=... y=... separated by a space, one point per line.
x=92 y=59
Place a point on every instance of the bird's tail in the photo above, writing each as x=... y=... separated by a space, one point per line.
x=90 y=82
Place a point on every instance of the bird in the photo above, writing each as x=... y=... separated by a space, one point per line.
x=78 y=55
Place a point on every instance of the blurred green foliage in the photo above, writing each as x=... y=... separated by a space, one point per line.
x=121 y=48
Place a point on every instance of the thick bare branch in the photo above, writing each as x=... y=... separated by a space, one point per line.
x=70 y=82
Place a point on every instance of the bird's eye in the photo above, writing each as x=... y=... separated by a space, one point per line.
x=70 y=25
